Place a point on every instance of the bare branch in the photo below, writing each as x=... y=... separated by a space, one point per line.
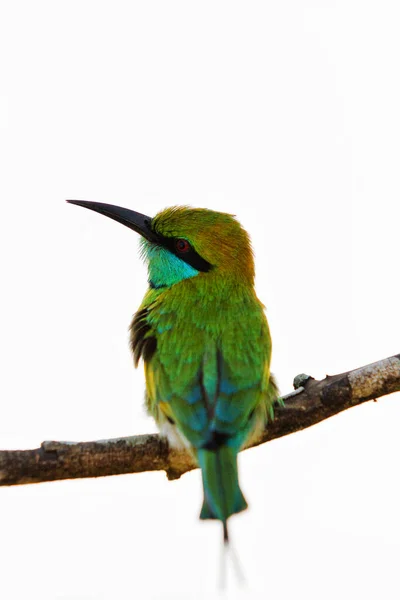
x=312 y=402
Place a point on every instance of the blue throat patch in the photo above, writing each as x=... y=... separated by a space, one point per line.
x=165 y=269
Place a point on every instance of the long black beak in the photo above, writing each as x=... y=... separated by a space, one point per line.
x=134 y=220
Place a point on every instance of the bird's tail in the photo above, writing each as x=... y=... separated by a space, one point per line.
x=222 y=494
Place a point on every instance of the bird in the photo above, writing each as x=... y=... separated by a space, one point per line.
x=204 y=339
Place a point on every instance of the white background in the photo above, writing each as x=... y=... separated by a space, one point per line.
x=285 y=113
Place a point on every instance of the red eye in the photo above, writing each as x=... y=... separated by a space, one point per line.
x=182 y=245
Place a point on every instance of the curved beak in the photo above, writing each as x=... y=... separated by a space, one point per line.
x=134 y=220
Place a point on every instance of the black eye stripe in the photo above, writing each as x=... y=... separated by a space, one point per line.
x=191 y=257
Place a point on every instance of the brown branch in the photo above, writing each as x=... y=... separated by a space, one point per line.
x=312 y=402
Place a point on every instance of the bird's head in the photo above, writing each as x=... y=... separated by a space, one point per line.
x=182 y=242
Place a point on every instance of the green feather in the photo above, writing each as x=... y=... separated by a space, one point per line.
x=222 y=494
x=208 y=373
x=204 y=339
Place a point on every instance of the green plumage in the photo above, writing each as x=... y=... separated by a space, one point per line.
x=208 y=379
x=204 y=339
x=222 y=494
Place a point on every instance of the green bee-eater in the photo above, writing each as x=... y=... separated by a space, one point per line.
x=204 y=339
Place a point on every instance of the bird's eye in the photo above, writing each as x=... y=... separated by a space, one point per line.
x=182 y=245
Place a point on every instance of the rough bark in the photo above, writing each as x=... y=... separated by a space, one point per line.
x=311 y=402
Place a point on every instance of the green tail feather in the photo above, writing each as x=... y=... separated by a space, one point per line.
x=222 y=494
